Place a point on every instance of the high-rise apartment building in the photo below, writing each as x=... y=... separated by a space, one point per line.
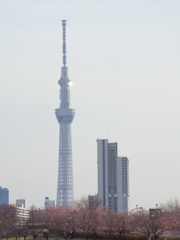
x=65 y=116
x=4 y=196
x=113 y=176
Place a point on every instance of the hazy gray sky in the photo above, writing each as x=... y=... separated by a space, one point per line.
x=123 y=58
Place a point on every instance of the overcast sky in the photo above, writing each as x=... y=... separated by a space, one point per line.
x=123 y=58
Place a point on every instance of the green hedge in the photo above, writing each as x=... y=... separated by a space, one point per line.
x=113 y=236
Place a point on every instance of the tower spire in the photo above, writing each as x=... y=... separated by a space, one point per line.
x=64 y=42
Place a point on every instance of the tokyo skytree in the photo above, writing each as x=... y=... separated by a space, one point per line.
x=65 y=116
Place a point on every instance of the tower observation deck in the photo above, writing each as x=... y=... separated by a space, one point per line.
x=65 y=116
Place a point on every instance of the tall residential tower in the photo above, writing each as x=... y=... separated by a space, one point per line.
x=113 y=176
x=65 y=116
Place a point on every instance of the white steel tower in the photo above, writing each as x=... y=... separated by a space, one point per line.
x=65 y=116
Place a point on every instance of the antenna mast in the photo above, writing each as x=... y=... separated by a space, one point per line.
x=64 y=42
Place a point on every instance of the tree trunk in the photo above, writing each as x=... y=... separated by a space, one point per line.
x=120 y=235
x=110 y=234
x=94 y=236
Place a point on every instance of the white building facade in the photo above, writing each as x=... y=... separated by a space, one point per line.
x=22 y=215
x=113 y=176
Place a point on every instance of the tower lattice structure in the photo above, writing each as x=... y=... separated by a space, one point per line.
x=65 y=116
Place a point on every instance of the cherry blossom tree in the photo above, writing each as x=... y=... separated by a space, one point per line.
x=25 y=230
x=171 y=209
x=59 y=218
x=141 y=222
x=172 y=222
x=87 y=216
x=150 y=223
x=7 y=220
x=122 y=223
x=108 y=219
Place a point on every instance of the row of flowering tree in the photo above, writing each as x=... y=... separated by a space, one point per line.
x=90 y=220
x=86 y=219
